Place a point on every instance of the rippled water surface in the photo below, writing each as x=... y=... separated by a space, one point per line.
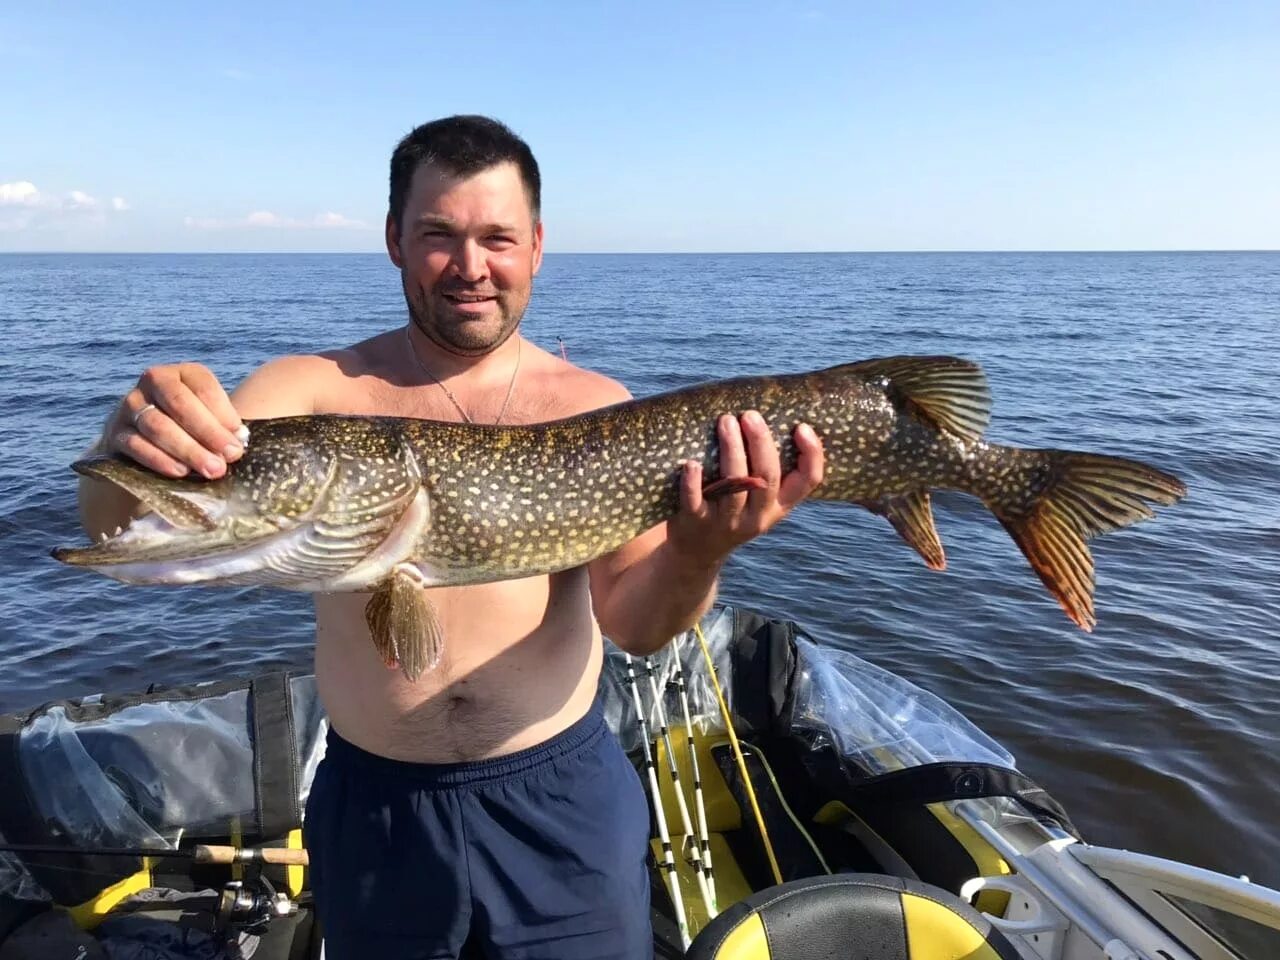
x=1160 y=731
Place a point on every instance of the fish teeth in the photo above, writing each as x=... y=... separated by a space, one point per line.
x=102 y=536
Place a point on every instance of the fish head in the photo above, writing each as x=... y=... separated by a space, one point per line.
x=309 y=506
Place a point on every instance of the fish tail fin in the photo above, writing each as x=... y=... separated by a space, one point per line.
x=404 y=626
x=1053 y=501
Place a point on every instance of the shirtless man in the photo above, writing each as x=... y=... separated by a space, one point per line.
x=486 y=801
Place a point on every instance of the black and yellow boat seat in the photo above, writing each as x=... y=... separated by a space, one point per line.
x=851 y=916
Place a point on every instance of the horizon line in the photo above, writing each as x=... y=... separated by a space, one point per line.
x=646 y=253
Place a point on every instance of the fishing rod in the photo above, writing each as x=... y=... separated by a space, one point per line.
x=700 y=806
x=668 y=860
x=690 y=840
x=200 y=853
x=248 y=905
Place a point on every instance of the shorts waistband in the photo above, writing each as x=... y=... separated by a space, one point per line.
x=580 y=735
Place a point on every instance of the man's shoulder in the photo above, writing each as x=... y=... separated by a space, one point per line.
x=304 y=383
x=290 y=385
x=579 y=390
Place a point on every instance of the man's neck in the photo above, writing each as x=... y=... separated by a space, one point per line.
x=480 y=370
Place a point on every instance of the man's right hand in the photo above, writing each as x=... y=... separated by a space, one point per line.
x=178 y=419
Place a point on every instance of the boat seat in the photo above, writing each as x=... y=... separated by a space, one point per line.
x=851 y=915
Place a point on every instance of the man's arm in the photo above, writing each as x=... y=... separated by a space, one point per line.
x=190 y=426
x=662 y=582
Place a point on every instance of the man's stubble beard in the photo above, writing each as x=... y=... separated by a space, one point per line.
x=457 y=338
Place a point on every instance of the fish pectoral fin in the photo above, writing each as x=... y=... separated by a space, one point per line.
x=950 y=393
x=912 y=517
x=403 y=623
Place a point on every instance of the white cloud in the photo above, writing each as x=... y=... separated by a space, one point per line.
x=331 y=219
x=265 y=219
x=22 y=193
x=23 y=205
x=232 y=73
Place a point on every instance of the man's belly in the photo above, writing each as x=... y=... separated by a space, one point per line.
x=521 y=662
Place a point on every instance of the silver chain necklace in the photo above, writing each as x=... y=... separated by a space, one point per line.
x=448 y=393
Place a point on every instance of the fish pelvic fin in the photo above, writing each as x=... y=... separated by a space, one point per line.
x=912 y=516
x=1058 y=500
x=403 y=624
x=948 y=392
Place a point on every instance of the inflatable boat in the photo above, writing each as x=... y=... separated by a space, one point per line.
x=805 y=803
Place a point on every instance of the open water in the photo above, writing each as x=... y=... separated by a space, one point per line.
x=1160 y=731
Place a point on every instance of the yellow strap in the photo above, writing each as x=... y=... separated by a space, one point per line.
x=737 y=753
x=89 y=914
x=293 y=874
x=237 y=840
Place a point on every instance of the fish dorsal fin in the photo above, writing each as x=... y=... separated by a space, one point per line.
x=950 y=393
x=913 y=519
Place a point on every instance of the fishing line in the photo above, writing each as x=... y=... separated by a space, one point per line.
x=737 y=753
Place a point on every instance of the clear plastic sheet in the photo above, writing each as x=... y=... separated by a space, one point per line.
x=148 y=773
x=878 y=720
x=16 y=882
x=874 y=719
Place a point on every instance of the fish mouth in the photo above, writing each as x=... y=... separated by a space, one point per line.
x=183 y=518
x=212 y=531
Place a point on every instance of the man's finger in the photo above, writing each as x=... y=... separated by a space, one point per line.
x=691 y=500
x=192 y=416
x=137 y=448
x=733 y=463
x=762 y=454
x=210 y=392
x=158 y=429
x=809 y=470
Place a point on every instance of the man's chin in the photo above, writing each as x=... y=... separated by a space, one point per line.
x=472 y=336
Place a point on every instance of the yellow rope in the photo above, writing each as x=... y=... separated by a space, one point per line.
x=737 y=753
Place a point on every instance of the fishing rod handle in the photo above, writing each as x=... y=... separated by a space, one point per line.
x=280 y=855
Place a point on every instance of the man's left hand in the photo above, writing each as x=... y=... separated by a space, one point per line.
x=711 y=527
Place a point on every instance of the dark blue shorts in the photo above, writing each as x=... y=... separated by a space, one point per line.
x=538 y=854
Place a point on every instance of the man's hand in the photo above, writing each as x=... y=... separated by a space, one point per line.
x=176 y=420
x=710 y=528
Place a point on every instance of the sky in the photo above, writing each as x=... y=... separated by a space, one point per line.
x=690 y=127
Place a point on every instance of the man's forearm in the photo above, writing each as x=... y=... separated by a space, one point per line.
x=657 y=599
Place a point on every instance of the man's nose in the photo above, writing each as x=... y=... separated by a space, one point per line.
x=470 y=262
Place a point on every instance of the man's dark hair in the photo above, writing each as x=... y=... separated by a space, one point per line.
x=461 y=146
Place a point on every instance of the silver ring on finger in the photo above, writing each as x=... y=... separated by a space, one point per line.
x=140 y=411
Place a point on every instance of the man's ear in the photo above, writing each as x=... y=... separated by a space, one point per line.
x=537 y=246
x=393 y=242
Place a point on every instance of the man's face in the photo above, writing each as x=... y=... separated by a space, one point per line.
x=467 y=250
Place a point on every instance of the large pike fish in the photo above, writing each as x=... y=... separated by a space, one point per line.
x=392 y=505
